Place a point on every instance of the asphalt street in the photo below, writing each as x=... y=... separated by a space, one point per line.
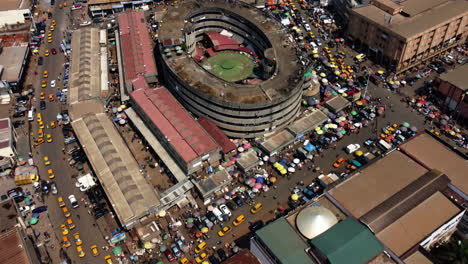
x=89 y=233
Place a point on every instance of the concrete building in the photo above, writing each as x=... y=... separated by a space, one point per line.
x=342 y=8
x=402 y=35
x=183 y=138
x=7 y=144
x=265 y=100
x=453 y=88
x=131 y=196
x=88 y=82
x=101 y=8
x=14 y=53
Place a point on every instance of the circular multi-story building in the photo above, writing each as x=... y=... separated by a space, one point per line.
x=232 y=64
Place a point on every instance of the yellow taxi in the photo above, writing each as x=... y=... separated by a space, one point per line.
x=42 y=96
x=61 y=203
x=54 y=23
x=60 y=6
x=38 y=141
x=201 y=257
x=41 y=124
x=46 y=53
x=65 y=211
x=49 y=35
x=256 y=208
x=52 y=28
x=239 y=220
x=40 y=132
x=81 y=253
x=52 y=124
x=49 y=40
x=45 y=74
x=70 y=224
x=39 y=117
x=184 y=261
x=49 y=138
x=77 y=238
x=51 y=173
x=51 y=97
x=64 y=230
x=65 y=242
x=224 y=231
x=44 y=83
x=108 y=259
x=200 y=247
x=94 y=250
x=46 y=161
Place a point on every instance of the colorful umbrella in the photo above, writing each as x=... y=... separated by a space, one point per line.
x=205 y=229
x=294 y=197
x=117 y=250
x=162 y=248
x=273 y=179
x=406 y=124
x=258 y=186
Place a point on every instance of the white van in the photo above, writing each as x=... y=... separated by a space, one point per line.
x=384 y=145
x=30 y=115
x=218 y=214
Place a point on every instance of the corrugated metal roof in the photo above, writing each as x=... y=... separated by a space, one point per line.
x=348 y=242
x=405 y=200
x=136 y=48
x=184 y=134
x=217 y=134
x=286 y=245
x=12 y=249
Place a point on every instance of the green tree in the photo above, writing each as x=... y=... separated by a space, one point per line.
x=454 y=251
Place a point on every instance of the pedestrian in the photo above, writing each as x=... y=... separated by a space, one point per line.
x=78 y=216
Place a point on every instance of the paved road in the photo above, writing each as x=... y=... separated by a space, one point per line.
x=65 y=184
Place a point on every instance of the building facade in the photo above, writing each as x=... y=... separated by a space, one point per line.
x=402 y=36
x=452 y=87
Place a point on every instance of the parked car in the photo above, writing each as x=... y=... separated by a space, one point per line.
x=222 y=254
x=73 y=201
x=225 y=210
x=53 y=188
x=231 y=205
x=237 y=200
x=175 y=250
x=352 y=147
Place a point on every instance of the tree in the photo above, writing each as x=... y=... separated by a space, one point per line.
x=454 y=251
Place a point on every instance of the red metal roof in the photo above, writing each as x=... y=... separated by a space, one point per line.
x=137 y=51
x=219 y=41
x=184 y=134
x=217 y=134
x=140 y=82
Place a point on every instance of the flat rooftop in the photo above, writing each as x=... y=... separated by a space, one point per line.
x=7 y=209
x=14 y=4
x=379 y=181
x=418 y=223
x=11 y=59
x=420 y=15
x=275 y=88
x=116 y=168
x=457 y=77
x=435 y=155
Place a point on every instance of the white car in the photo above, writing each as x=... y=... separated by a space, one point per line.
x=307 y=27
x=76 y=7
x=73 y=201
x=225 y=210
x=352 y=147
x=53 y=83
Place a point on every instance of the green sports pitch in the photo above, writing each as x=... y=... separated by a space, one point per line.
x=230 y=66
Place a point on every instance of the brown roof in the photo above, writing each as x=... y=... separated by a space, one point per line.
x=421 y=15
x=244 y=257
x=405 y=200
x=434 y=154
x=367 y=189
x=457 y=77
x=12 y=249
x=217 y=134
x=417 y=258
x=418 y=223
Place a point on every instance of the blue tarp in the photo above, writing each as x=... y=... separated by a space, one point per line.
x=309 y=147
